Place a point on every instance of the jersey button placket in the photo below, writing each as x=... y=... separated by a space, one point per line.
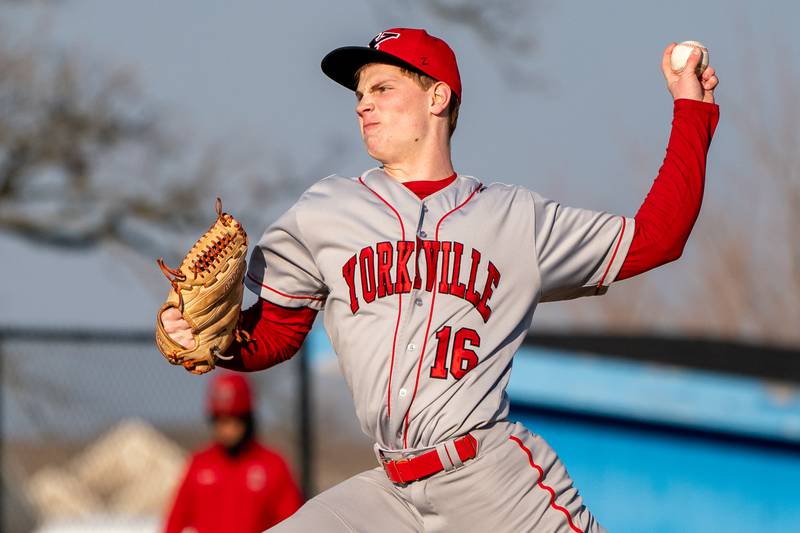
x=403 y=393
x=421 y=233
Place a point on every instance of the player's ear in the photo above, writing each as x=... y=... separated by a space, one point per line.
x=440 y=97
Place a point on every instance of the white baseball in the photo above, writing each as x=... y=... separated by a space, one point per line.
x=681 y=52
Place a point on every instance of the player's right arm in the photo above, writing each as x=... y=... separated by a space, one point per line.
x=275 y=335
x=283 y=272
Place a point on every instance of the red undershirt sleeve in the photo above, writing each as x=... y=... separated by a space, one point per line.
x=670 y=209
x=276 y=333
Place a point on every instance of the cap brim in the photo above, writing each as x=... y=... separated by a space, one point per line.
x=342 y=64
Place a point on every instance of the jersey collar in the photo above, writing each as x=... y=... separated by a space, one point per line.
x=397 y=194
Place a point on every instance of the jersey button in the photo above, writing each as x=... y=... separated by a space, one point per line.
x=403 y=393
x=422 y=234
x=412 y=347
x=418 y=302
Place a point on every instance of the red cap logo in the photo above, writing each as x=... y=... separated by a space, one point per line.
x=382 y=36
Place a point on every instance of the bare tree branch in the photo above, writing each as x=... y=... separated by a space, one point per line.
x=84 y=157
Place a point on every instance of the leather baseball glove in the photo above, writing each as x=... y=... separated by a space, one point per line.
x=207 y=290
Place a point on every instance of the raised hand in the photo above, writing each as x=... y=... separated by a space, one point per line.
x=685 y=83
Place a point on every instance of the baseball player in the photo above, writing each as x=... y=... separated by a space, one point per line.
x=429 y=279
x=235 y=485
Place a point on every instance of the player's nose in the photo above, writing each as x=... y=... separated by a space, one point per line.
x=364 y=106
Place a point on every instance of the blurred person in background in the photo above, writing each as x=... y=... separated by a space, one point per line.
x=235 y=484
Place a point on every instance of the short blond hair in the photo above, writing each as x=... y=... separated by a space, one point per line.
x=425 y=82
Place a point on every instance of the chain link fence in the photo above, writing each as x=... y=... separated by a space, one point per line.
x=97 y=424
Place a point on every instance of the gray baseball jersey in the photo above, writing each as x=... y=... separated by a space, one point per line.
x=426 y=301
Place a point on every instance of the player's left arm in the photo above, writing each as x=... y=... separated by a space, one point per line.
x=665 y=219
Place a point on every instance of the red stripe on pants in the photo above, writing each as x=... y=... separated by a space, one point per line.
x=553 y=503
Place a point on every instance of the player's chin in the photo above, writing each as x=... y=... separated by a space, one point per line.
x=375 y=150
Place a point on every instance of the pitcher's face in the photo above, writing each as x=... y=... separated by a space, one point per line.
x=393 y=112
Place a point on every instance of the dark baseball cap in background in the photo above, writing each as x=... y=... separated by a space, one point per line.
x=410 y=48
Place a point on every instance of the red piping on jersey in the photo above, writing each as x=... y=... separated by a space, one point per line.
x=430 y=315
x=276 y=291
x=553 y=503
x=613 y=256
x=399 y=302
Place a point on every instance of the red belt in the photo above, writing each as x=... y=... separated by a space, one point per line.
x=428 y=463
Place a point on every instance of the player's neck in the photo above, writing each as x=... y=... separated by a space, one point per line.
x=428 y=165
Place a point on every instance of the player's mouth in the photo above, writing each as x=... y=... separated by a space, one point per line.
x=369 y=127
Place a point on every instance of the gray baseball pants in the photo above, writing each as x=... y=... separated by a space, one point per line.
x=516 y=484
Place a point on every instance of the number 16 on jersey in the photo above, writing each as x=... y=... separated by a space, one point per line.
x=463 y=358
